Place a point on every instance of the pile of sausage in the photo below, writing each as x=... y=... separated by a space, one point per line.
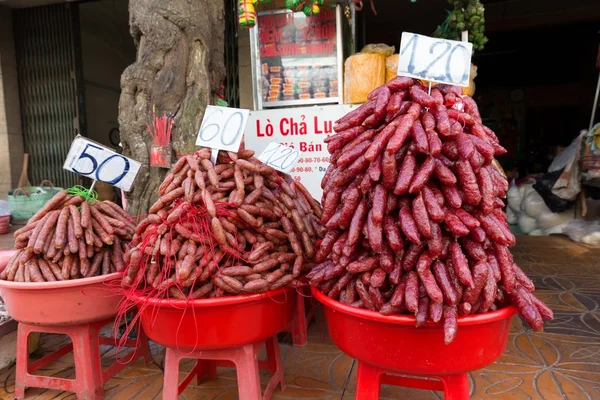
x=70 y=238
x=220 y=229
x=413 y=206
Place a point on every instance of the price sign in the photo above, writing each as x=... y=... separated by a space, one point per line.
x=222 y=128
x=437 y=60
x=280 y=157
x=99 y=163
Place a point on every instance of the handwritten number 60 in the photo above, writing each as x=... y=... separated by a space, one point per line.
x=214 y=129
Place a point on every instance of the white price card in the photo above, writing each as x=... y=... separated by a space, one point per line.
x=222 y=128
x=280 y=157
x=99 y=163
x=433 y=59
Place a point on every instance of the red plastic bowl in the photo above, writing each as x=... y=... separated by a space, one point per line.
x=219 y=323
x=70 y=302
x=394 y=344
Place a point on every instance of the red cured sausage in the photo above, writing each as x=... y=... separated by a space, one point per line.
x=455 y=225
x=419 y=212
x=419 y=137
x=389 y=169
x=460 y=265
x=375 y=233
x=427 y=278
x=505 y=261
x=408 y=226
x=445 y=283
x=382 y=101
x=421 y=97
x=422 y=175
x=384 y=137
x=409 y=262
x=468 y=182
x=442 y=120
x=398 y=137
x=428 y=121
x=465 y=146
x=392 y=234
x=399 y=83
x=452 y=196
x=467 y=219
x=406 y=174
x=411 y=292
x=443 y=173
x=433 y=208
x=435 y=144
x=379 y=203
x=435 y=244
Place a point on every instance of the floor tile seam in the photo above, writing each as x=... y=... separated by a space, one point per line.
x=347 y=380
x=552 y=373
x=141 y=390
x=547 y=367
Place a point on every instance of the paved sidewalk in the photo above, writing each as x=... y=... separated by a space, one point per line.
x=561 y=363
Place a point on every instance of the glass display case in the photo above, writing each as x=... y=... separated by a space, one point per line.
x=297 y=60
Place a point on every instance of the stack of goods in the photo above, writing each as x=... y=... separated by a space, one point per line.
x=413 y=210
x=231 y=228
x=365 y=71
x=271 y=82
x=299 y=83
x=527 y=209
x=70 y=238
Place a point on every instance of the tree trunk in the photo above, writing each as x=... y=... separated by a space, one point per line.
x=179 y=65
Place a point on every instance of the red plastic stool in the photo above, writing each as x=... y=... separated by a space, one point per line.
x=86 y=341
x=243 y=358
x=305 y=312
x=370 y=378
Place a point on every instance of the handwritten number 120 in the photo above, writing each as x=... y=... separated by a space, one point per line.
x=448 y=51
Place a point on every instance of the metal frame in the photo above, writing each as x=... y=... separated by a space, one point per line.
x=256 y=75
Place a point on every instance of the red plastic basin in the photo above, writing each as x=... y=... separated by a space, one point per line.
x=219 y=323
x=70 y=302
x=393 y=343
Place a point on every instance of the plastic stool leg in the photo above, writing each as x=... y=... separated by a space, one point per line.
x=299 y=323
x=171 y=378
x=88 y=368
x=22 y=361
x=273 y=355
x=275 y=367
x=367 y=386
x=248 y=375
x=205 y=370
x=456 y=387
x=143 y=347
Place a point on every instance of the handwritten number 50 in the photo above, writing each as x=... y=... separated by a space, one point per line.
x=96 y=169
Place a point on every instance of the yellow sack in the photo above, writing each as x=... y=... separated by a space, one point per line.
x=391 y=67
x=363 y=72
x=470 y=90
x=379 y=48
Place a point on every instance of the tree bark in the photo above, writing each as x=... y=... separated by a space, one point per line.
x=179 y=64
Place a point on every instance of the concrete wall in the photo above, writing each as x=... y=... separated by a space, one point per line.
x=107 y=49
x=11 y=139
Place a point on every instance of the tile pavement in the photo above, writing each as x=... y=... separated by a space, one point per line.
x=560 y=363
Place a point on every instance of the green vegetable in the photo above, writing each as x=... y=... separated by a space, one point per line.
x=467 y=15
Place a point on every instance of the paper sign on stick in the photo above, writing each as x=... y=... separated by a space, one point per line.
x=222 y=128
x=280 y=157
x=99 y=163
x=433 y=59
